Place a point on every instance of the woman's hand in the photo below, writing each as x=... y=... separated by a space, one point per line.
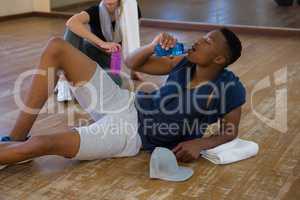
x=110 y=47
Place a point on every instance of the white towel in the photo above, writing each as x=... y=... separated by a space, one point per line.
x=129 y=23
x=230 y=152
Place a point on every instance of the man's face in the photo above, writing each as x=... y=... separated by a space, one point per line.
x=111 y=5
x=210 y=48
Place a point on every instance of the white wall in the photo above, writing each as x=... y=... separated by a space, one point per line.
x=61 y=3
x=42 y=5
x=11 y=7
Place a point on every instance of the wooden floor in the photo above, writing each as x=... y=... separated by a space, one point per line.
x=239 y=12
x=273 y=174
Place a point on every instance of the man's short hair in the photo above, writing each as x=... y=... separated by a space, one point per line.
x=234 y=45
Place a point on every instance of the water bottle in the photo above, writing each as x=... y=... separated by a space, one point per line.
x=177 y=50
x=116 y=62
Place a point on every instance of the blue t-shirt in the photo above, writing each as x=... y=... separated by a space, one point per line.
x=174 y=113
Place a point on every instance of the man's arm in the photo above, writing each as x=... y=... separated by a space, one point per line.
x=142 y=59
x=190 y=150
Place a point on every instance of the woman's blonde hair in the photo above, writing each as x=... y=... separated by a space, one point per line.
x=121 y=5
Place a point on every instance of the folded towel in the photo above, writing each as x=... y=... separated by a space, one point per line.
x=230 y=152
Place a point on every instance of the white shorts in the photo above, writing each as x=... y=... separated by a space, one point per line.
x=115 y=131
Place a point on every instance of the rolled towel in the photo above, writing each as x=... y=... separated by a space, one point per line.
x=231 y=152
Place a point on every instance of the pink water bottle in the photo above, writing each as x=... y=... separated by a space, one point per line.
x=115 y=62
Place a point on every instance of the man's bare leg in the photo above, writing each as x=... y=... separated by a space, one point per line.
x=62 y=144
x=58 y=55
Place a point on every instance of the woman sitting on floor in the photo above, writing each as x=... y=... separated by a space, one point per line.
x=103 y=37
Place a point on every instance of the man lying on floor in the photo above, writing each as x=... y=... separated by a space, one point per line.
x=199 y=91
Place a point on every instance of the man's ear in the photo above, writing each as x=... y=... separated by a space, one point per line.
x=220 y=60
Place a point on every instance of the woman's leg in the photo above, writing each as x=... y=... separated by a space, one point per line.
x=61 y=144
x=58 y=55
x=73 y=39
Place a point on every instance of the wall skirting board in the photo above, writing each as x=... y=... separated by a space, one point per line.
x=182 y=25
x=36 y=14
x=198 y=26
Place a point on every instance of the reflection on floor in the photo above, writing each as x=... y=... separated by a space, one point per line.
x=241 y=12
x=273 y=174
